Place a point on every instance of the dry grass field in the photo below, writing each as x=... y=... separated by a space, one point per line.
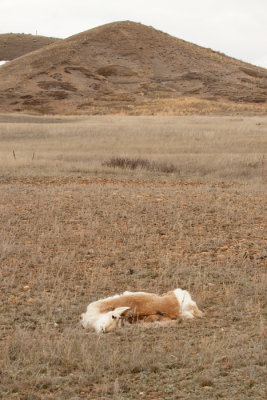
x=200 y=148
x=192 y=214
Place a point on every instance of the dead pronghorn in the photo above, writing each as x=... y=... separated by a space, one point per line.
x=106 y=315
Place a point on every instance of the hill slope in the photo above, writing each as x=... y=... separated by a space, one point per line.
x=123 y=65
x=13 y=45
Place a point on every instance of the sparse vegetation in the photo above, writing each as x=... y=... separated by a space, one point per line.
x=73 y=230
x=186 y=148
x=137 y=70
x=193 y=106
x=134 y=163
x=13 y=45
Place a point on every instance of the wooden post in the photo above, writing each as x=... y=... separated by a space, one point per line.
x=262 y=168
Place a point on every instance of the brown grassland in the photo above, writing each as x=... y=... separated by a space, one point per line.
x=78 y=223
x=13 y=45
x=129 y=68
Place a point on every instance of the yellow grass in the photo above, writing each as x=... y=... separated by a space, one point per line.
x=193 y=106
x=73 y=231
x=200 y=148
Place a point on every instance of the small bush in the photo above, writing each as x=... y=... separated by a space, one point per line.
x=134 y=163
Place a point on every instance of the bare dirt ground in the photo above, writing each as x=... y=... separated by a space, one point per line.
x=68 y=238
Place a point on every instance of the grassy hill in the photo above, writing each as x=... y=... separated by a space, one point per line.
x=13 y=45
x=126 y=67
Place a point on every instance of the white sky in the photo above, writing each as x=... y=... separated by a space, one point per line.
x=237 y=28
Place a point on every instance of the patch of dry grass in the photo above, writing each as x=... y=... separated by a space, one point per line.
x=198 y=148
x=73 y=230
x=141 y=163
x=68 y=241
x=193 y=106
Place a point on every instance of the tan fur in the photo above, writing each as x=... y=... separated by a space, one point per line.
x=196 y=311
x=108 y=314
x=144 y=305
x=118 y=323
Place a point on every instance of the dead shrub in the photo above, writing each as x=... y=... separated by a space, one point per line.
x=142 y=163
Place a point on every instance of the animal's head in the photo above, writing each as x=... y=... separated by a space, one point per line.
x=111 y=320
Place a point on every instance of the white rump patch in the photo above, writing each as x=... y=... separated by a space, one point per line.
x=186 y=303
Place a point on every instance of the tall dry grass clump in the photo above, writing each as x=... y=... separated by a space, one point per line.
x=142 y=163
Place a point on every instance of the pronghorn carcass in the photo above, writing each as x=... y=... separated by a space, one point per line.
x=108 y=314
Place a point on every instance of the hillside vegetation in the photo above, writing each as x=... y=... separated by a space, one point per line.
x=130 y=68
x=14 y=45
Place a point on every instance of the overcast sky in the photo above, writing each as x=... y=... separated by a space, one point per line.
x=237 y=28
